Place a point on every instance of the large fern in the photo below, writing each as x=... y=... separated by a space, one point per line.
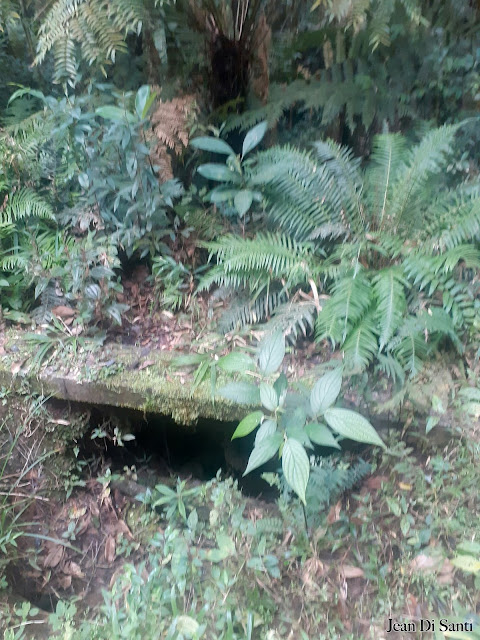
x=98 y=28
x=396 y=281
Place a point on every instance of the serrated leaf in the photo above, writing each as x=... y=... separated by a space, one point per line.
x=254 y=137
x=215 y=145
x=267 y=428
x=268 y=396
x=325 y=391
x=262 y=452
x=248 y=424
x=241 y=393
x=243 y=201
x=352 y=425
x=320 y=434
x=296 y=467
x=218 y=172
x=236 y=362
x=271 y=352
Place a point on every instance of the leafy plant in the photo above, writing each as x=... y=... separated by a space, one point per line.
x=237 y=186
x=207 y=364
x=290 y=423
x=171 y=501
x=384 y=298
x=174 y=282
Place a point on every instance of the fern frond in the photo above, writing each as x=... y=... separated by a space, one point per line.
x=391 y=367
x=350 y=299
x=24 y=204
x=455 y=224
x=245 y=311
x=98 y=27
x=361 y=344
x=391 y=303
x=292 y=319
x=425 y=159
x=266 y=257
x=343 y=168
x=389 y=151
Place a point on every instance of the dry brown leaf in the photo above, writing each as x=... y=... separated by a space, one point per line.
x=15 y=368
x=426 y=564
x=123 y=528
x=144 y=365
x=63 y=312
x=110 y=549
x=334 y=513
x=349 y=572
x=74 y=570
x=375 y=482
x=54 y=556
x=65 y=581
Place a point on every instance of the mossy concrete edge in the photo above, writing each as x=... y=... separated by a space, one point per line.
x=146 y=391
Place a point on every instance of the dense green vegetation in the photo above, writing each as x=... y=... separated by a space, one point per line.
x=303 y=177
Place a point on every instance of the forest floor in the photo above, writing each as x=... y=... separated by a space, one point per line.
x=246 y=567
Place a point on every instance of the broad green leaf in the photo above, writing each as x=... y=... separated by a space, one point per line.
x=248 y=424
x=295 y=419
x=215 y=145
x=394 y=506
x=236 y=362
x=110 y=112
x=241 y=393
x=262 y=452
x=280 y=385
x=4 y=283
x=352 y=425
x=320 y=434
x=268 y=397
x=470 y=564
x=325 y=391
x=267 y=428
x=469 y=547
x=218 y=172
x=271 y=352
x=225 y=543
x=222 y=194
x=254 y=137
x=141 y=99
x=243 y=201
x=299 y=434
x=296 y=467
